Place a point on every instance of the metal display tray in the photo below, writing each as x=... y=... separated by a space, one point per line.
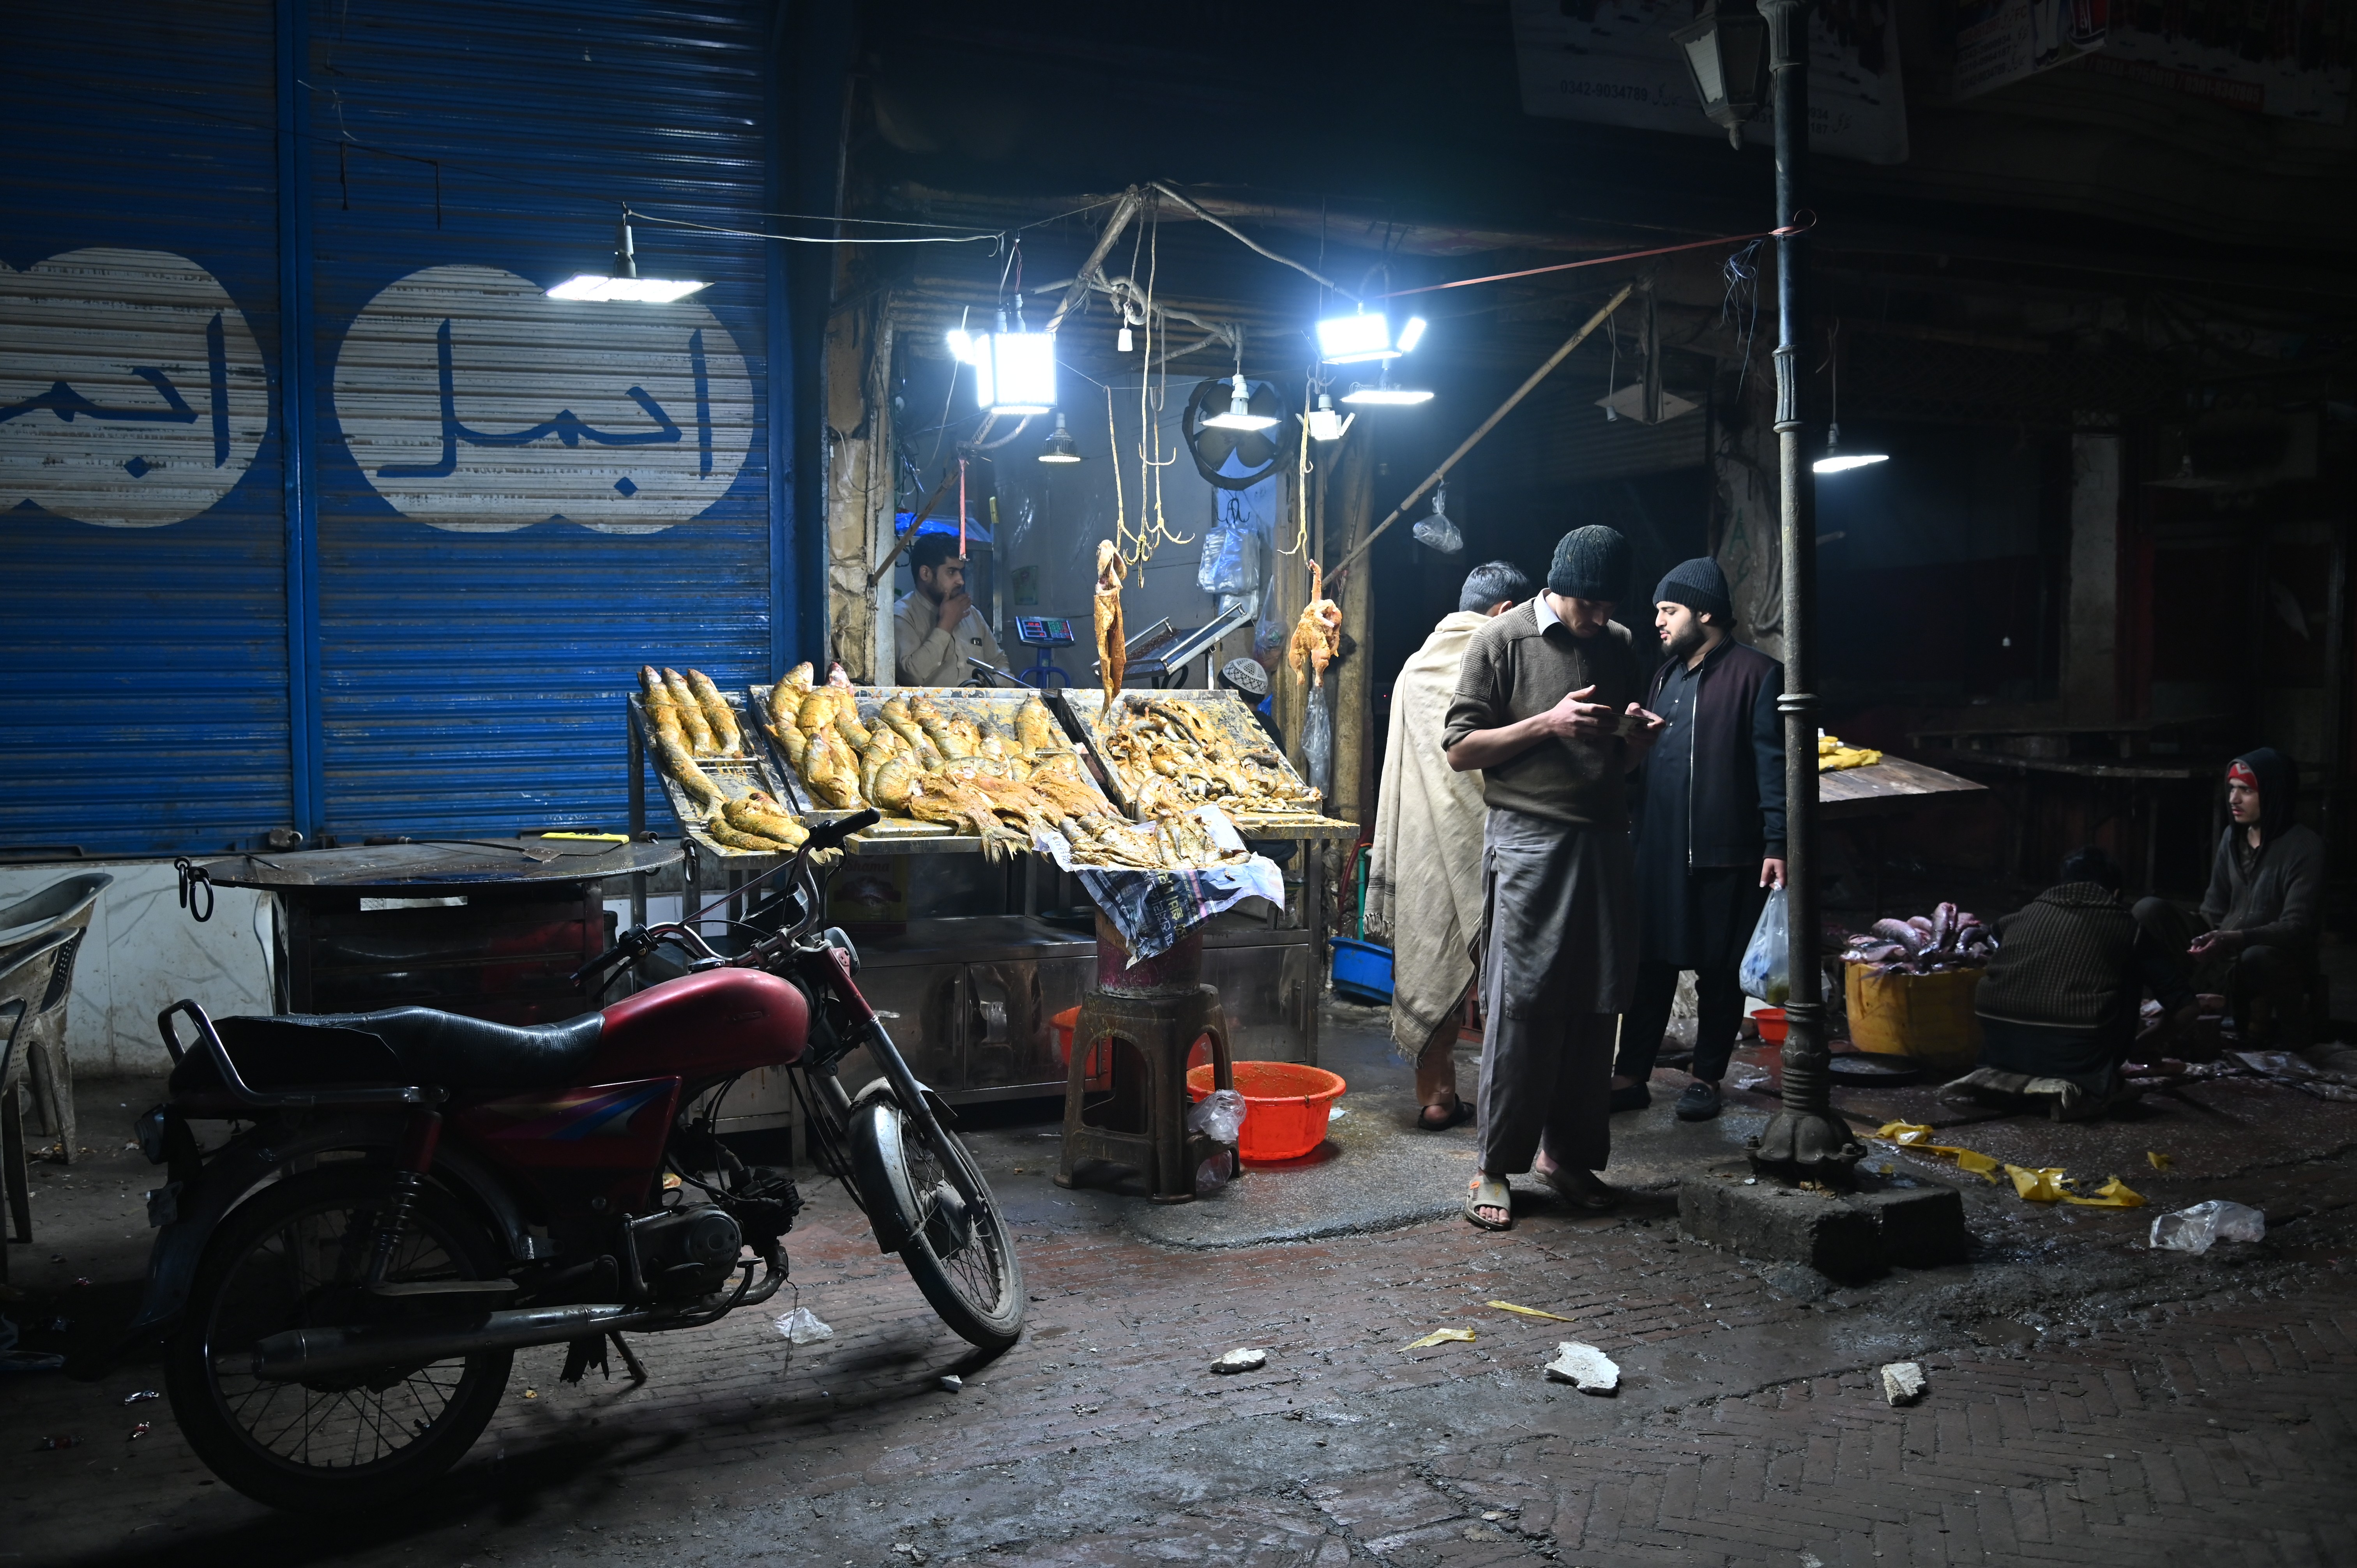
x=737 y=777
x=1079 y=709
x=900 y=836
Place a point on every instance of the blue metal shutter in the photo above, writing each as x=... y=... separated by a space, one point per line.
x=141 y=521
x=521 y=500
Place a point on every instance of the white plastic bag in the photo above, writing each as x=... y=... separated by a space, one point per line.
x=1439 y=532
x=1222 y=1114
x=2194 y=1230
x=1767 y=971
x=803 y=1327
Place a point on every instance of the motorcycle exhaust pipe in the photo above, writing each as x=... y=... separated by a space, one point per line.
x=299 y=1353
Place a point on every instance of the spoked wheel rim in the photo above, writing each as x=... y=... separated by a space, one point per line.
x=958 y=1228
x=308 y=1268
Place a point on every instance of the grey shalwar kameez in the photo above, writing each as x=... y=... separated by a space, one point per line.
x=1558 y=948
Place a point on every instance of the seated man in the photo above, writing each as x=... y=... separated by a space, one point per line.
x=2255 y=939
x=2059 y=1004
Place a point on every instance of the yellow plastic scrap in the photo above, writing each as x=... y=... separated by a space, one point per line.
x=2039 y=1185
x=1915 y=1135
x=1529 y=1311
x=2160 y=1161
x=2050 y=1186
x=2114 y=1194
x=1833 y=757
x=1441 y=1336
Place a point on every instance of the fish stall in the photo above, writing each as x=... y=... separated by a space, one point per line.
x=1041 y=793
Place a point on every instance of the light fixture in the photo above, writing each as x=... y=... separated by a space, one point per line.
x=1836 y=461
x=1125 y=343
x=1059 y=447
x=1366 y=334
x=1014 y=372
x=1239 y=416
x=1324 y=424
x=1726 y=51
x=1382 y=394
x=624 y=282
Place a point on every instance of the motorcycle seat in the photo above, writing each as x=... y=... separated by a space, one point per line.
x=396 y=1046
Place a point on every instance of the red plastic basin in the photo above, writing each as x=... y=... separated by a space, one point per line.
x=1771 y=1024
x=1286 y=1105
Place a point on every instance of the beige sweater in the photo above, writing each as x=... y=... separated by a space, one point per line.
x=1424 y=885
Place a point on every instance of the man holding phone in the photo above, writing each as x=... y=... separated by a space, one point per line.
x=1546 y=710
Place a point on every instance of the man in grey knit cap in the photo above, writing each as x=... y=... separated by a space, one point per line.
x=1546 y=708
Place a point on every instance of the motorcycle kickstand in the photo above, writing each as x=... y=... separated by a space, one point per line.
x=630 y=1356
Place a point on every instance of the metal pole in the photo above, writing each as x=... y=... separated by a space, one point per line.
x=1806 y=1138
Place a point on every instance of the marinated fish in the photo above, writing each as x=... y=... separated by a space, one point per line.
x=717 y=713
x=832 y=773
x=1112 y=649
x=758 y=814
x=653 y=692
x=847 y=722
x=1035 y=728
x=691 y=714
x=817 y=711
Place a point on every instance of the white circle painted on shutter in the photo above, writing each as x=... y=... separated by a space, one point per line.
x=473 y=401
x=132 y=393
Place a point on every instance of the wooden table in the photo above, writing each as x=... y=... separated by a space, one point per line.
x=2122 y=789
x=1853 y=797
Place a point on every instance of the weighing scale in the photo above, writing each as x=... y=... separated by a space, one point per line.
x=1046 y=633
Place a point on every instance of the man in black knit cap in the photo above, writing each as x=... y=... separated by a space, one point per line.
x=1710 y=830
x=1546 y=709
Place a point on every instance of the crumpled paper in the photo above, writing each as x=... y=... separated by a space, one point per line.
x=1915 y=1135
x=1153 y=909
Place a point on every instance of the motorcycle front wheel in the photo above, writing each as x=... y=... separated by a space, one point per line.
x=295 y=1255
x=959 y=1249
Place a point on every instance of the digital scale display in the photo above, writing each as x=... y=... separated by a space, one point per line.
x=1044 y=631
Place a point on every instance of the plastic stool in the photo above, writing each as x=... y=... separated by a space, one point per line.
x=1143 y=1123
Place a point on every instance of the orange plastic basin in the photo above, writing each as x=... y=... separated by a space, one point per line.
x=1285 y=1106
x=1771 y=1024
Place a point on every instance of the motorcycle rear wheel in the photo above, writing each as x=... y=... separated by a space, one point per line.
x=297 y=1255
x=959 y=1249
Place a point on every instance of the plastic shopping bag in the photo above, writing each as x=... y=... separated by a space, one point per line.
x=1767 y=971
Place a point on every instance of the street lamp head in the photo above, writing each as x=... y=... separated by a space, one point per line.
x=1726 y=51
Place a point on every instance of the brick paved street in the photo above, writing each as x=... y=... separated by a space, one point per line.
x=2091 y=1402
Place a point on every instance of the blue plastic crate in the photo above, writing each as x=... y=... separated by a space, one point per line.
x=1363 y=971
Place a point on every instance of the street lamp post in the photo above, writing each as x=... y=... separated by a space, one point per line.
x=1807 y=1138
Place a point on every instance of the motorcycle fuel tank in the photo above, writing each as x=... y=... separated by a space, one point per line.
x=722 y=1021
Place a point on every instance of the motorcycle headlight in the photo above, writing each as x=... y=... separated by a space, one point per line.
x=836 y=938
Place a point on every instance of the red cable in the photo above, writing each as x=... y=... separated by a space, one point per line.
x=1632 y=256
x=961 y=509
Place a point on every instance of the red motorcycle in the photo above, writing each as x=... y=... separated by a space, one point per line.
x=416 y=1196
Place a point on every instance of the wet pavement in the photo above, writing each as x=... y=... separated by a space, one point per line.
x=2091 y=1399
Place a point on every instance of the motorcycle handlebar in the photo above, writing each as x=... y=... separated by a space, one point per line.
x=831 y=835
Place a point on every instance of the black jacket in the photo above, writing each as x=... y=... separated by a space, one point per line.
x=1735 y=801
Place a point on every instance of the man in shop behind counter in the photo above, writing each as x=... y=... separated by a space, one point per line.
x=1424 y=888
x=935 y=626
x=1546 y=710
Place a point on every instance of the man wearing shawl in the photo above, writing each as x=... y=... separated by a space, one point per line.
x=2254 y=938
x=1424 y=888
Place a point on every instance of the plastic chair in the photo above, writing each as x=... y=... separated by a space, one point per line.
x=39 y=939
x=16 y=1172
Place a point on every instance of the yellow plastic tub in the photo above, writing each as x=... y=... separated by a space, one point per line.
x=1927 y=1016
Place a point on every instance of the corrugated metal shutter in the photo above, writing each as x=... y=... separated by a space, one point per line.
x=522 y=500
x=1561 y=437
x=141 y=520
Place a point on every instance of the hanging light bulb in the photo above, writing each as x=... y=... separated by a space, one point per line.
x=1240 y=415
x=1059 y=447
x=624 y=282
x=1383 y=394
x=1324 y=424
x=1836 y=461
x=1127 y=343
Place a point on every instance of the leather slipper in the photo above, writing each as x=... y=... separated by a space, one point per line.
x=1459 y=1113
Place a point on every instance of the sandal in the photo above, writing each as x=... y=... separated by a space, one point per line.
x=1459 y=1113
x=1489 y=1192
x=1581 y=1190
